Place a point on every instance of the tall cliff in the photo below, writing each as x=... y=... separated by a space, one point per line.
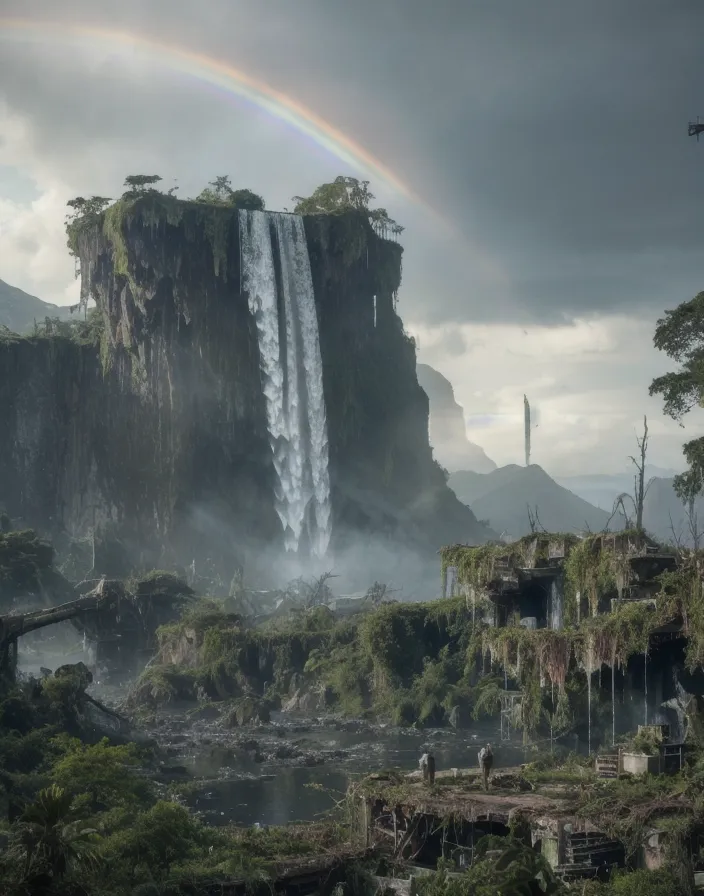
x=158 y=416
x=448 y=434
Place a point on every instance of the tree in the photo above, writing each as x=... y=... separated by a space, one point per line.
x=220 y=192
x=246 y=199
x=680 y=334
x=48 y=838
x=138 y=183
x=640 y=488
x=84 y=212
x=378 y=594
x=81 y=207
x=161 y=835
x=346 y=194
x=534 y=520
x=222 y=188
x=102 y=773
x=343 y=194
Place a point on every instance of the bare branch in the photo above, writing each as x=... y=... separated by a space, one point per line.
x=639 y=489
x=675 y=537
x=534 y=520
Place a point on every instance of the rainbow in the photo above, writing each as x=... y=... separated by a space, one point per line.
x=218 y=74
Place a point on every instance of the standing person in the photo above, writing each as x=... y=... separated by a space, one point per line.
x=423 y=765
x=486 y=760
x=431 y=768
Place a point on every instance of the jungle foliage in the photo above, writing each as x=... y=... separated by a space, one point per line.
x=346 y=194
x=83 y=817
x=680 y=334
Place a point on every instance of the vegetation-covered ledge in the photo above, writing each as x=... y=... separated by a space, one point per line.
x=132 y=251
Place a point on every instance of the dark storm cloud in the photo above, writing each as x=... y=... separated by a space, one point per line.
x=551 y=133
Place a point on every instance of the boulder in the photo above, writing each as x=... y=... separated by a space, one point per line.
x=247 y=711
x=78 y=671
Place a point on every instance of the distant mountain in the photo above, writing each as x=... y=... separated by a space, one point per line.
x=19 y=310
x=603 y=489
x=448 y=435
x=666 y=518
x=503 y=497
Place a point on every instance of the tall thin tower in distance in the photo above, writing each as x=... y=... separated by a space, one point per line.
x=526 y=408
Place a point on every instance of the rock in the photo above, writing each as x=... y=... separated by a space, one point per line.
x=79 y=671
x=455 y=718
x=308 y=702
x=310 y=760
x=293 y=703
x=247 y=711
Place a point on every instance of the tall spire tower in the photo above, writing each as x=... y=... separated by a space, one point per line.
x=526 y=408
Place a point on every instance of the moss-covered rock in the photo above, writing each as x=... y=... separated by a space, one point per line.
x=247 y=711
x=161 y=685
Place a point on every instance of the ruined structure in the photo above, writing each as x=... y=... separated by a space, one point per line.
x=15 y=625
x=614 y=609
x=528 y=582
x=246 y=382
x=419 y=825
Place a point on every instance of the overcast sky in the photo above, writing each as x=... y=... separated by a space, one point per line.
x=549 y=137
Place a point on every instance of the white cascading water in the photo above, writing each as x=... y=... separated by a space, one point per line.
x=292 y=374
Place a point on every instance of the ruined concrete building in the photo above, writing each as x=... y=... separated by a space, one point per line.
x=616 y=608
x=526 y=581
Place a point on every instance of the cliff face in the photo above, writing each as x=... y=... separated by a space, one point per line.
x=160 y=424
x=448 y=435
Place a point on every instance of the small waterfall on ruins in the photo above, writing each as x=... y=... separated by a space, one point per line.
x=292 y=372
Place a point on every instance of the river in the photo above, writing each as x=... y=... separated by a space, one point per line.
x=272 y=793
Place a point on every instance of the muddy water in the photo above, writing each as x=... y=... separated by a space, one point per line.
x=270 y=793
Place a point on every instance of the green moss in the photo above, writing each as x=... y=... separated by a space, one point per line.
x=154 y=211
x=114 y=223
x=158 y=583
x=216 y=226
x=162 y=684
x=682 y=596
x=595 y=569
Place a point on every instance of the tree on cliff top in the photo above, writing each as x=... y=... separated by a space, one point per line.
x=343 y=194
x=346 y=194
x=220 y=192
x=84 y=212
x=680 y=334
x=138 y=183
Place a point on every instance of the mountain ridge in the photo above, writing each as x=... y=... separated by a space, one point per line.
x=19 y=309
x=503 y=498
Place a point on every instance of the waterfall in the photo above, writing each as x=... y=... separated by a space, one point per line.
x=292 y=372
